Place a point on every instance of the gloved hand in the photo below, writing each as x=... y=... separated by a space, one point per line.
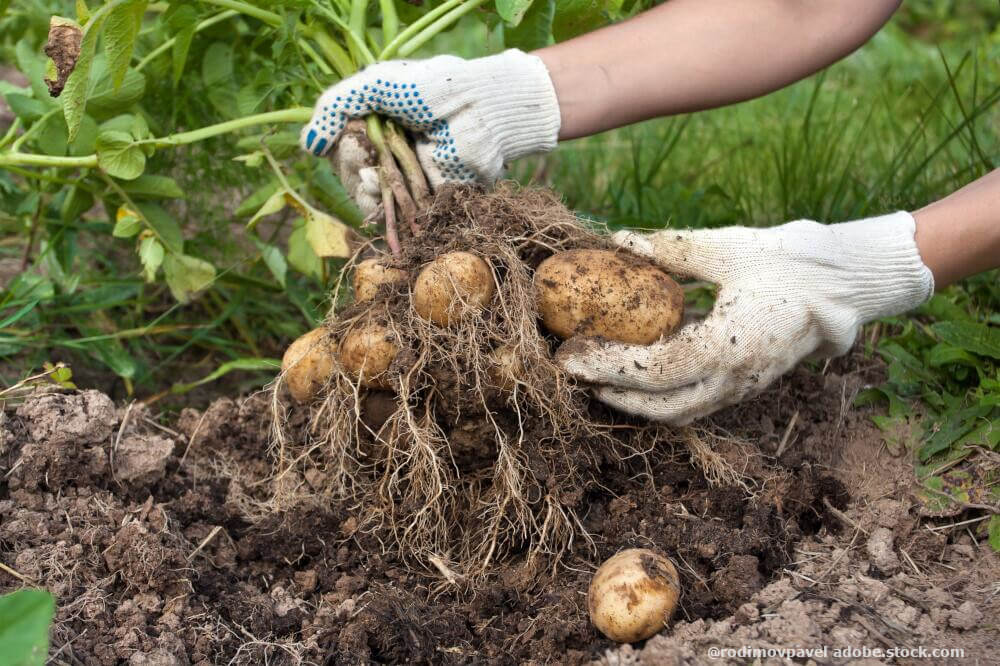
x=472 y=116
x=785 y=293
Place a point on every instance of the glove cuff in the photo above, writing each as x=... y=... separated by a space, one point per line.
x=888 y=275
x=524 y=111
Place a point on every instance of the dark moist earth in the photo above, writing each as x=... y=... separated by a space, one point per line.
x=148 y=534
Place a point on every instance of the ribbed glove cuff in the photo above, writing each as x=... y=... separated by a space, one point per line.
x=880 y=256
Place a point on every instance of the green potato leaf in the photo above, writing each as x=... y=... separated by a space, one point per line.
x=25 y=617
x=76 y=92
x=120 y=32
x=971 y=336
x=119 y=156
x=512 y=11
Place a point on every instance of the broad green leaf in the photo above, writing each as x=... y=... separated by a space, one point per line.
x=971 y=336
x=26 y=108
x=300 y=253
x=955 y=425
x=119 y=156
x=151 y=256
x=153 y=186
x=947 y=354
x=994 y=533
x=76 y=203
x=85 y=142
x=105 y=100
x=943 y=308
x=327 y=236
x=217 y=65
x=120 y=31
x=217 y=76
x=512 y=11
x=74 y=95
x=31 y=62
x=187 y=275
x=535 y=30
x=575 y=17
x=127 y=223
x=114 y=355
x=52 y=135
x=257 y=198
x=274 y=203
x=82 y=12
x=274 y=260
x=165 y=226
x=182 y=21
x=25 y=618
x=328 y=189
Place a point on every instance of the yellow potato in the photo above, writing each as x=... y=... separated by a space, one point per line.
x=366 y=352
x=608 y=294
x=452 y=286
x=371 y=274
x=308 y=364
x=633 y=594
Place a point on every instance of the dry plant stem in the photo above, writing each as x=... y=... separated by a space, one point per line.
x=390 y=172
x=410 y=166
x=391 y=233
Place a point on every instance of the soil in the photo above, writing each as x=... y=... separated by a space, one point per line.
x=153 y=539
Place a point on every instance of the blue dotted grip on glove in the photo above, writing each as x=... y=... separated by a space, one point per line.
x=401 y=102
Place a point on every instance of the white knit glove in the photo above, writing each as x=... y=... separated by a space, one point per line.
x=472 y=116
x=785 y=293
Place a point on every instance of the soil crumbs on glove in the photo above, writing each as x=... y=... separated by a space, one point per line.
x=146 y=533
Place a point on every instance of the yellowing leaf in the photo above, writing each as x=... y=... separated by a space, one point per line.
x=187 y=275
x=327 y=235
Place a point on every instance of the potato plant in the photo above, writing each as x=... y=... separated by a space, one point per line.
x=479 y=446
x=115 y=67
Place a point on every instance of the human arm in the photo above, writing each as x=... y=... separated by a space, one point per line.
x=959 y=235
x=689 y=55
x=682 y=56
x=785 y=293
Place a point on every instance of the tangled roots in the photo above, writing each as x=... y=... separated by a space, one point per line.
x=482 y=447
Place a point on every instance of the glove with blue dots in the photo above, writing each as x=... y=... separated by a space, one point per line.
x=470 y=116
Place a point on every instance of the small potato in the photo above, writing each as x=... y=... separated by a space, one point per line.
x=633 y=594
x=506 y=367
x=308 y=364
x=452 y=286
x=371 y=274
x=367 y=351
x=607 y=294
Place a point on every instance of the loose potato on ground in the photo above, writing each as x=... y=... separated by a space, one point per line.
x=607 y=294
x=452 y=286
x=371 y=274
x=308 y=364
x=633 y=594
x=366 y=352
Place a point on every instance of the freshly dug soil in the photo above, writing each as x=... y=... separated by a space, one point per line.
x=153 y=538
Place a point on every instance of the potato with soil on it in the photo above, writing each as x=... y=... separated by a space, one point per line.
x=308 y=364
x=366 y=352
x=607 y=294
x=506 y=367
x=371 y=274
x=633 y=594
x=452 y=286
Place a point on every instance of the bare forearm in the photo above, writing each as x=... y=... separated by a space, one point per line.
x=687 y=55
x=959 y=235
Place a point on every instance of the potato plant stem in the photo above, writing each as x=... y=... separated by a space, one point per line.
x=168 y=44
x=409 y=165
x=294 y=115
x=433 y=29
x=390 y=49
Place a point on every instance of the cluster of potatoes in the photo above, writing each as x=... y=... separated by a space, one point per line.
x=587 y=292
